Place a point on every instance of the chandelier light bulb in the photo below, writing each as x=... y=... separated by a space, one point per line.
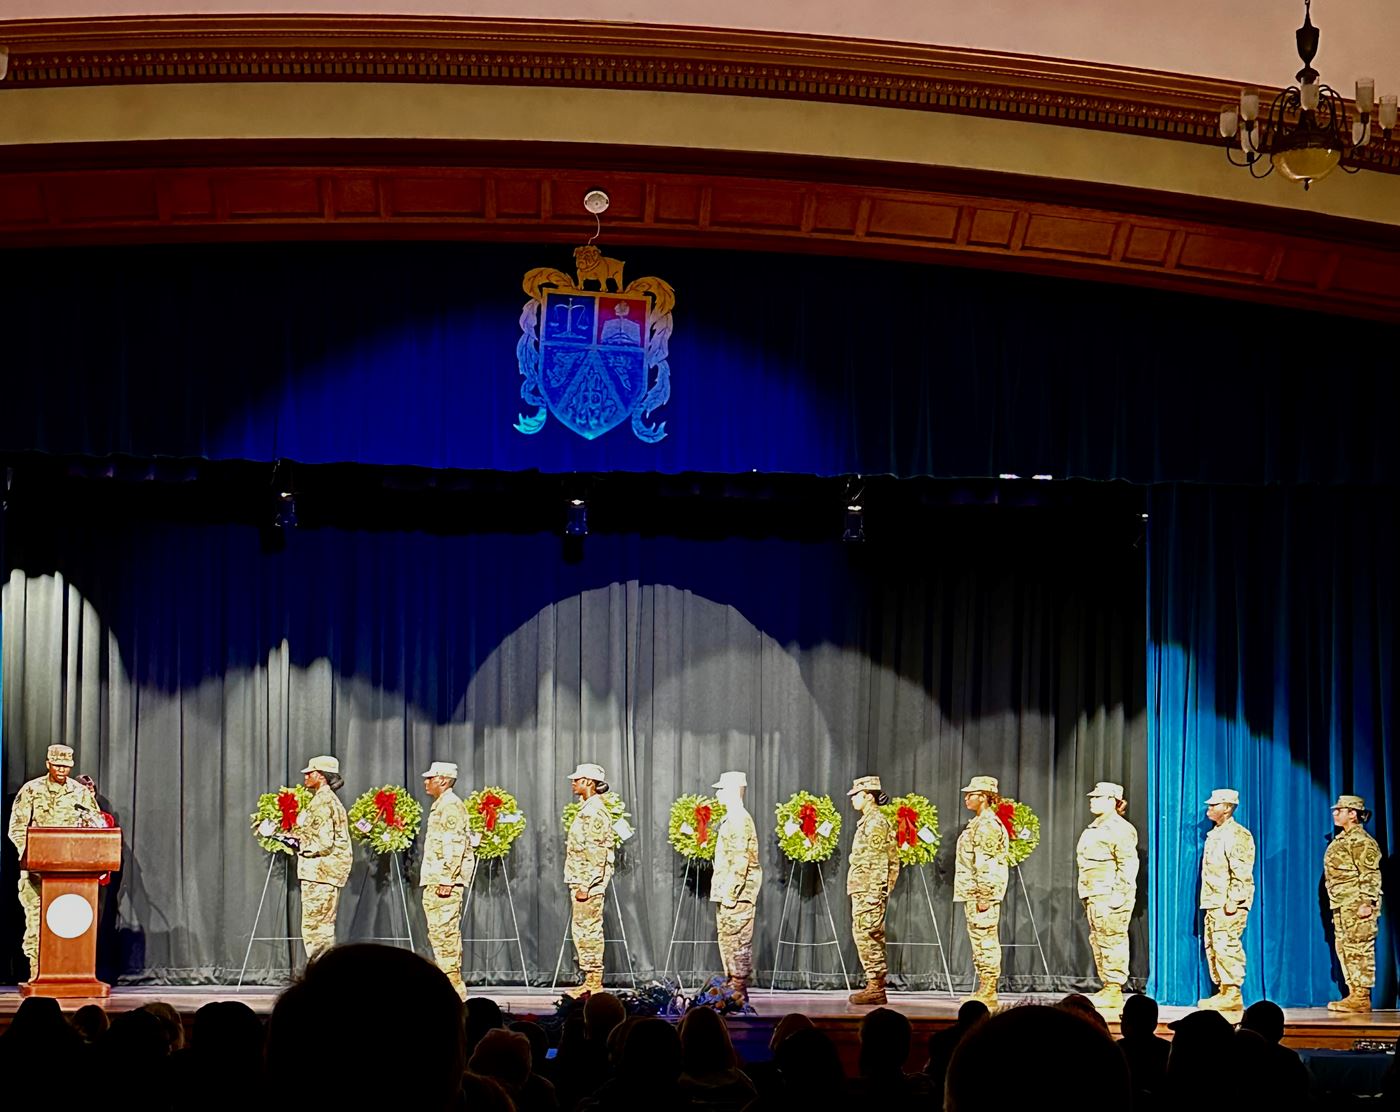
x=1387 y=113
x=1249 y=105
x=1307 y=95
x=1365 y=95
x=1229 y=121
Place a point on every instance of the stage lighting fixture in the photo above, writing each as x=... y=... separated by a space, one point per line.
x=855 y=523
x=286 y=515
x=576 y=518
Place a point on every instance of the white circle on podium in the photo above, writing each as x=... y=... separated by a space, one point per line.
x=69 y=916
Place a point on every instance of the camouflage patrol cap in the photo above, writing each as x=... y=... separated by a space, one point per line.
x=866 y=784
x=328 y=765
x=1354 y=802
x=982 y=784
x=1224 y=795
x=60 y=755
x=1107 y=788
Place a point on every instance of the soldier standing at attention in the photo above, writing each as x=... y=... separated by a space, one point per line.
x=869 y=882
x=448 y=865
x=588 y=866
x=982 y=868
x=735 y=883
x=1227 y=891
x=1351 y=869
x=1108 y=867
x=324 y=854
x=50 y=800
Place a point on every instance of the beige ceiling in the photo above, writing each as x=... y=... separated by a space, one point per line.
x=1242 y=40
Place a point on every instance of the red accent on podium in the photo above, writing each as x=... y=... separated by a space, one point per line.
x=68 y=861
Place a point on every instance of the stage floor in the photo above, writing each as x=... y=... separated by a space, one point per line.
x=928 y=1011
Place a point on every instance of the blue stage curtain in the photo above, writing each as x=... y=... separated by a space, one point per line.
x=1271 y=670
x=406 y=354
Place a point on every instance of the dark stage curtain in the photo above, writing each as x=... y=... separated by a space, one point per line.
x=406 y=354
x=1272 y=670
x=194 y=670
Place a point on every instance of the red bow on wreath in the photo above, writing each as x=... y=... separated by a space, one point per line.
x=807 y=816
x=489 y=805
x=907 y=831
x=385 y=802
x=702 y=823
x=287 y=803
x=1006 y=813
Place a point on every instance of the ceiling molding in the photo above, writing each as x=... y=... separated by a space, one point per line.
x=194 y=49
x=125 y=193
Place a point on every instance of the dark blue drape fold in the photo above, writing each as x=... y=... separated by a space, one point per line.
x=1271 y=669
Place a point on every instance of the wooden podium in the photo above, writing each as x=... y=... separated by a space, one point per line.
x=68 y=861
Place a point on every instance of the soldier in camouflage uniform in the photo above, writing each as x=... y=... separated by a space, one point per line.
x=324 y=854
x=1108 y=866
x=1351 y=869
x=448 y=865
x=735 y=882
x=869 y=881
x=1227 y=892
x=51 y=800
x=981 y=871
x=588 y=866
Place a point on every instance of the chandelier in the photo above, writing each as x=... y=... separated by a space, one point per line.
x=1305 y=133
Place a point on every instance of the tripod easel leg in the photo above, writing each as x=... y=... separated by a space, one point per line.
x=938 y=935
x=782 y=922
x=821 y=883
x=403 y=901
x=1035 y=931
x=253 y=934
x=515 y=925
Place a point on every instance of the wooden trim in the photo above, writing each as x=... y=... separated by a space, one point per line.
x=517 y=193
x=564 y=54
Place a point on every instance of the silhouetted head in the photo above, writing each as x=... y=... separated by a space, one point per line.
x=320 y=1025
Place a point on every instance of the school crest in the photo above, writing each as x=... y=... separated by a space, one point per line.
x=595 y=358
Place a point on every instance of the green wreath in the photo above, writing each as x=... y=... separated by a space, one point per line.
x=282 y=808
x=495 y=819
x=1023 y=826
x=690 y=815
x=801 y=821
x=386 y=819
x=911 y=816
x=617 y=812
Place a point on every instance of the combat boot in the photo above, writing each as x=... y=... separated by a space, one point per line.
x=1109 y=998
x=592 y=982
x=872 y=993
x=741 y=989
x=1357 y=1000
x=1231 y=1003
x=986 y=992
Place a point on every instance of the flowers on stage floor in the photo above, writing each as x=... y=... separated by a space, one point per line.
x=495 y=820
x=1022 y=824
x=694 y=826
x=277 y=813
x=618 y=818
x=809 y=827
x=386 y=819
x=915 y=822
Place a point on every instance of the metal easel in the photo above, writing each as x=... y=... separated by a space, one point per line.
x=937 y=934
x=834 y=940
x=697 y=903
x=492 y=864
x=253 y=935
